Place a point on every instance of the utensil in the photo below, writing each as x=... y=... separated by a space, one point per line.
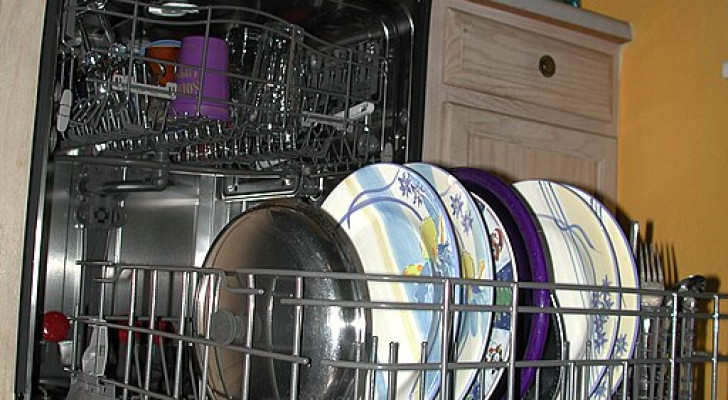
x=664 y=333
x=689 y=304
x=651 y=280
x=161 y=354
x=634 y=234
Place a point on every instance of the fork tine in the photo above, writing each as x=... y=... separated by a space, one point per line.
x=641 y=261
x=661 y=264
x=648 y=262
x=660 y=274
x=651 y=256
x=634 y=233
x=638 y=260
x=656 y=264
x=665 y=255
x=673 y=261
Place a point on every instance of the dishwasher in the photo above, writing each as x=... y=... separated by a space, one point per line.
x=165 y=123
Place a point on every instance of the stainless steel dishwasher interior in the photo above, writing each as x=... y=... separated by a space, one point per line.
x=134 y=224
x=121 y=221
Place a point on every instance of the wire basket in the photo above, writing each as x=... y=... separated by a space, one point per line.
x=178 y=344
x=266 y=96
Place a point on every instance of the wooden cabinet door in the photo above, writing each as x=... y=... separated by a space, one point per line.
x=518 y=149
x=525 y=90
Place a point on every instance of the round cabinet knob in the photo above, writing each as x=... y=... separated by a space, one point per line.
x=55 y=326
x=547 y=66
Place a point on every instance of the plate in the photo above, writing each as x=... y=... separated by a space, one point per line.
x=529 y=255
x=551 y=379
x=499 y=342
x=581 y=254
x=628 y=325
x=293 y=236
x=476 y=262
x=399 y=226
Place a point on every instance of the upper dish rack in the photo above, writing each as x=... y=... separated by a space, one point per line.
x=286 y=100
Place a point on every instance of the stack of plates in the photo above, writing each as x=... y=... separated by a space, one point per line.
x=424 y=221
x=421 y=220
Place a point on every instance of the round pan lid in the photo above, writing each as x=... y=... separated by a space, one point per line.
x=285 y=235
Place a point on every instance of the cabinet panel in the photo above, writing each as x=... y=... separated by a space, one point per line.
x=516 y=161
x=492 y=57
x=523 y=149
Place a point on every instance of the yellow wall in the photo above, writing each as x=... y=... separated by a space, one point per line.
x=673 y=147
x=673 y=144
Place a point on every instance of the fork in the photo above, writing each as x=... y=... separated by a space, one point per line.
x=651 y=279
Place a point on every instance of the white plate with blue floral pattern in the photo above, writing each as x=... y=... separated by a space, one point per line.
x=499 y=343
x=581 y=254
x=628 y=325
x=399 y=226
x=476 y=262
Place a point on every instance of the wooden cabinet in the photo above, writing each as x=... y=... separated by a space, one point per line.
x=524 y=88
x=21 y=25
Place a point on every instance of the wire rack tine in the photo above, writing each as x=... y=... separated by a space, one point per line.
x=578 y=371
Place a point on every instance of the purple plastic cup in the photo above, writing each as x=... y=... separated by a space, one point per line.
x=215 y=85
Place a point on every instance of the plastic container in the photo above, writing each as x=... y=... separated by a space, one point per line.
x=189 y=79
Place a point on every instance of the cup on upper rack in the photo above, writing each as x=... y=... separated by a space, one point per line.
x=198 y=95
x=167 y=52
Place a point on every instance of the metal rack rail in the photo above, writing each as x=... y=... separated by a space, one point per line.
x=179 y=345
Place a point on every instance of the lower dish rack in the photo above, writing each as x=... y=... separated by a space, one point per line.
x=157 y=332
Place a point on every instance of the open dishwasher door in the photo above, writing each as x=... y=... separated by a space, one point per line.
x=136 y=162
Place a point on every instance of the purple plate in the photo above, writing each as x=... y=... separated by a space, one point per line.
x=529 y=253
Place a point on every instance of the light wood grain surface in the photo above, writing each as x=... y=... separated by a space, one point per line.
x=489 y=106
x=520 y=149
x=491 y=57
x=20 y=34
x=561 y=14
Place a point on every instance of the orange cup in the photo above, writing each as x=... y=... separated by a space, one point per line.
x=164 y=51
